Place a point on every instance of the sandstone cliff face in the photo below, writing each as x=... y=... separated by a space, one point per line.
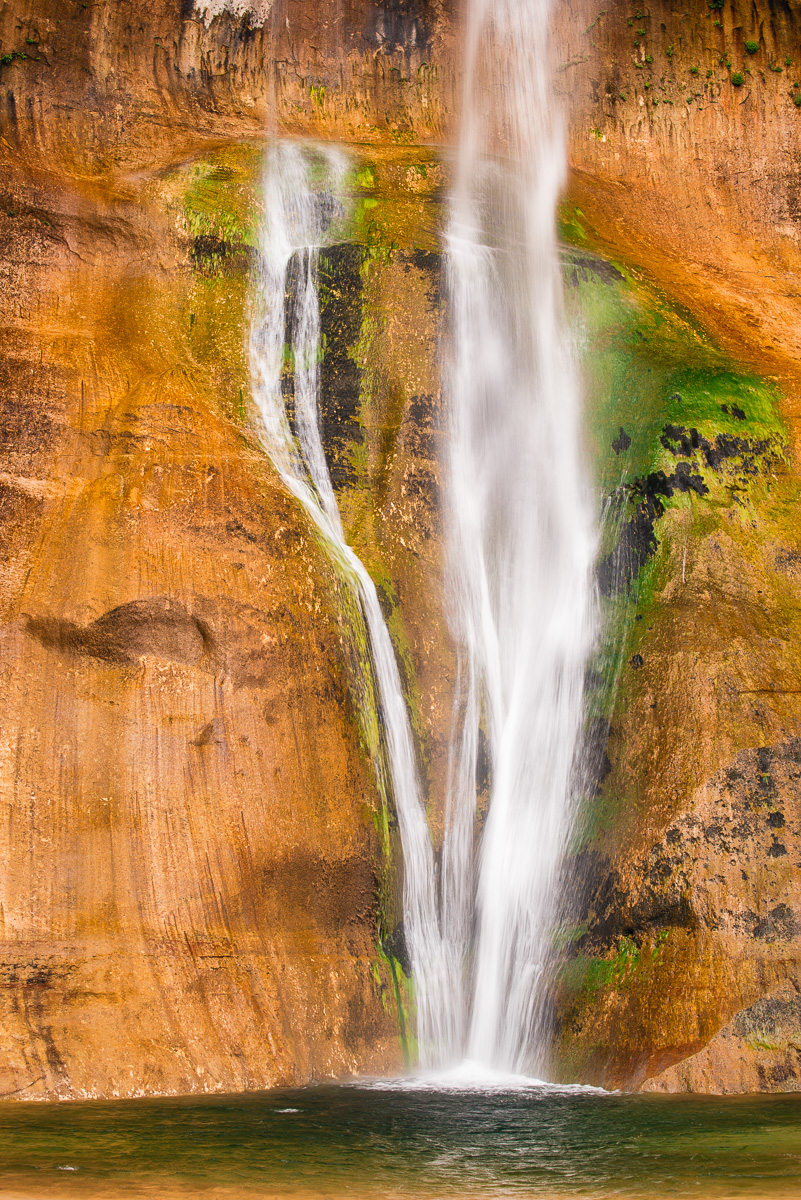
x=684 y=150
x=684 y=163
x=688 y=865
x=197 y=872
x=386 y=442
x=110 y=87
x=190 y=862
x=196 y=897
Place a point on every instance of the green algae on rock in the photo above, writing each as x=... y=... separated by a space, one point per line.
x=693 y=452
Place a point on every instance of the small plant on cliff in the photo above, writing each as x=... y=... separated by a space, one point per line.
x=658 y=944
x=752 y=47
x=797 y=99
x=648 y=58
x=670 y=52
x=738 y=79
x=693 y=70
x=788 y=62
x=715 y=5
x=777 y=70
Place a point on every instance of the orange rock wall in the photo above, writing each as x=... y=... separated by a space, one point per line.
x=684 y=173
x=191 y=869
x=112 y=87
x=190 y=864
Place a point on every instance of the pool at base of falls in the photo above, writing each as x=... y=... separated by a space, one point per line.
x=397 y=1142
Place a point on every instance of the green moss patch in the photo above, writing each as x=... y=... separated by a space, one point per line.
x=221 y=196
x=675 y=430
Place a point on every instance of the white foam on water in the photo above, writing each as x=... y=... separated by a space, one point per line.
x=470 y=1076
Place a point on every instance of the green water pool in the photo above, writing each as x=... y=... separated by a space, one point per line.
x=371 y=1141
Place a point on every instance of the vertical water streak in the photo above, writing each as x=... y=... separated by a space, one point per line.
x=521 y=535
x=302 y=190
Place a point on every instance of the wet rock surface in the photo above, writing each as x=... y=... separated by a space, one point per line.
x=719 y=888
x=646 y=495
x=340 y=387
x=681 y=171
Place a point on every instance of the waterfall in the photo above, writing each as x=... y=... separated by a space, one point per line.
x=521 y=541
x=303 y=199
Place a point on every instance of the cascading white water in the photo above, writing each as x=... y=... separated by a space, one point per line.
x=521 y=544
x=522 y=540
x=303 y=187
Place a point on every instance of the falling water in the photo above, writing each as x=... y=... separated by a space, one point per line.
x=521 y=541
x=303 y=188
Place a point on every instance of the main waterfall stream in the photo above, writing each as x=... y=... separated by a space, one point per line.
x=521 y=540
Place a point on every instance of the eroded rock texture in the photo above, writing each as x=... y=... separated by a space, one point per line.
x=114 y=86
x=703 y=922
x=688 y=873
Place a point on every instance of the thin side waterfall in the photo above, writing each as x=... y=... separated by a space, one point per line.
x=522 y=542
x=303 y=190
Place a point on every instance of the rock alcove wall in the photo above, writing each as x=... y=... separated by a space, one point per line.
x=198 y=878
